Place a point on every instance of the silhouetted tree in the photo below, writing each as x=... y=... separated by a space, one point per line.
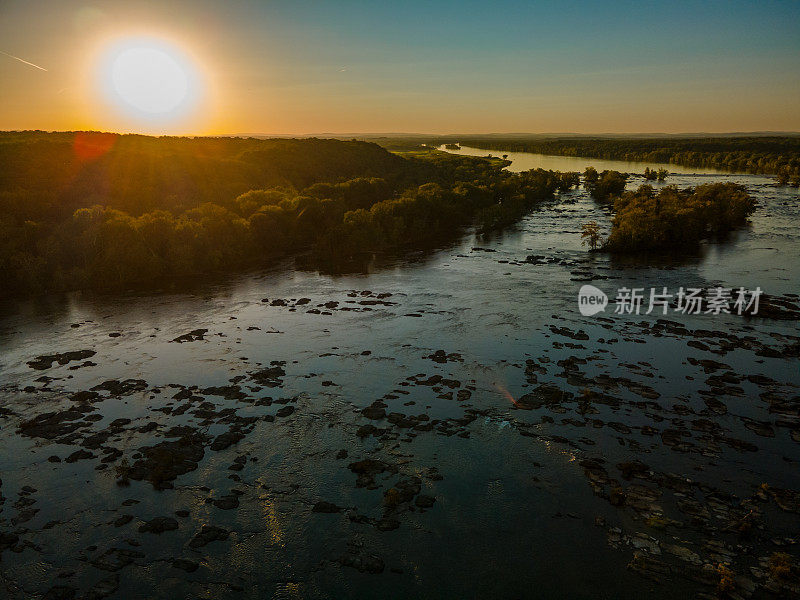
x=590 y=232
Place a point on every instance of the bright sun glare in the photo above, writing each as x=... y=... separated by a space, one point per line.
x=149 y=79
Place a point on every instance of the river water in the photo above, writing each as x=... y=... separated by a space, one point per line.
x=524 y=161
x=516 y=445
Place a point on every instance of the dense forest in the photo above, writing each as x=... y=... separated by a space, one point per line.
x=675 y=220
x=107 y=211
x=778 y=156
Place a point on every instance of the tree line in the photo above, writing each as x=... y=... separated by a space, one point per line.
x=87 y=210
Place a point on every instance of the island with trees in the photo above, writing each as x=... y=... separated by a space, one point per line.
x=673 y=220
x=117 y=212
x=655 y=174
x=605 y=186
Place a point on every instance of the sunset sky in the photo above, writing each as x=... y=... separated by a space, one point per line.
x=300 y=67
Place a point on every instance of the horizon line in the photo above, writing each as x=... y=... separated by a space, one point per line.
x=760 y=133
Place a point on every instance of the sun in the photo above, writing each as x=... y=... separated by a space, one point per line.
x=149 y=79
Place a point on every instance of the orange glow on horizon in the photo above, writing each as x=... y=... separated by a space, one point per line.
x=146 y=80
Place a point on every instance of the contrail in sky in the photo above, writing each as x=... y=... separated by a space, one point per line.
x=23 y=61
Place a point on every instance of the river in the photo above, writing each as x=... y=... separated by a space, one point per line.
x=449 y=426
x=524 y=161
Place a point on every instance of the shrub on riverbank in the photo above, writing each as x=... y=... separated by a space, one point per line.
x=675 y=219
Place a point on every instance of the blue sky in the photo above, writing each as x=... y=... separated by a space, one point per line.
x=345 y=66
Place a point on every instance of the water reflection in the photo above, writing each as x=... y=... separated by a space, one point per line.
x=524 y=161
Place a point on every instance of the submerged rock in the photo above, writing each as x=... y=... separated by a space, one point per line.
x=115 y=559
x=365 y=564
x=184 y=564
x=208 y=534
x=544 y=395
x=166 y=461
x=40 y=363
x=226 y=440
x=192 y=336
x=159 y=525
x=270 y=377
x=60 y=592
x=424 y=501
x=367 y=470
x=103 y=588
x=325 y=507
x=53 y=424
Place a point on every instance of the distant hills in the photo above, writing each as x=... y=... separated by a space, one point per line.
x=522 y=135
